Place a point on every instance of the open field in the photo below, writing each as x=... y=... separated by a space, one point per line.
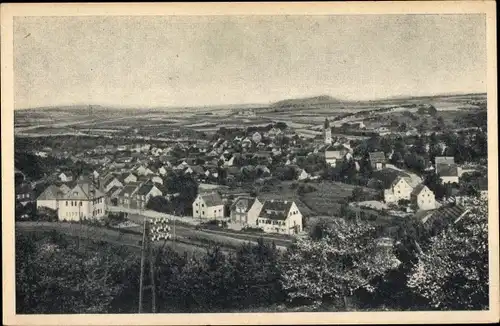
x=130 y=240
x=302 y=114
x=329 y=196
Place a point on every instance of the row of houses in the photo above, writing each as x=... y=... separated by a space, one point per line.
x=272 y=216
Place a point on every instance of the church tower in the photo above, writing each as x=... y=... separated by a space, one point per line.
x=327 y=132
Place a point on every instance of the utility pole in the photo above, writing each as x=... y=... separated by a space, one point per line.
x=153 y=231
x=152 y=273
x=141 y=280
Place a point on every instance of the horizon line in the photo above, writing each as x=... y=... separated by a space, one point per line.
x=132 y=107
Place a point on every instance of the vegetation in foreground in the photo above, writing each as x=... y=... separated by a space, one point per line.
x=328 y=270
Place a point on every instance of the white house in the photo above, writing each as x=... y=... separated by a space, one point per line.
x=377 y=160
x=82 y=201
x=208 y=206
x=423 y=197
x=110 y=182
x=245 y=211
x=65 y=176
x=334 y=154
x=303 y=175
x=448 y=172
x=277 y=216
x=49 y=198
x=400 y=188
x=130 y=178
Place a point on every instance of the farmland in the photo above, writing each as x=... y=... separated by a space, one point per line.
x=327 y=199
x=305 y=115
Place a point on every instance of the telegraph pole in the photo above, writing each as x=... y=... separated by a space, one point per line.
x=152 y=273
x=159 y=230
x=142 y=264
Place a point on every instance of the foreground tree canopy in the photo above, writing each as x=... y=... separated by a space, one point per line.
x=344 y=259
x=453 y=273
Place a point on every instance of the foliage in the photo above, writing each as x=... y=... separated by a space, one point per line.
x=53 y=276
x=159 y=204
x=342 y=261
x=453 y=272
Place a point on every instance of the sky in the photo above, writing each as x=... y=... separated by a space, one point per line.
x=160 y=61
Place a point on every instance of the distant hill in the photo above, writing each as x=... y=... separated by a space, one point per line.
x=307 y=101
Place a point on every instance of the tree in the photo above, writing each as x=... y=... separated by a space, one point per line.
x=53 y=276
x=453 y=273
x=257 y=275
x=434 y=183
x=281 y=125
x=159 y=204
x=333 y=267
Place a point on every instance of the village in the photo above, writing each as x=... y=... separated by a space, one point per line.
x=233 y=180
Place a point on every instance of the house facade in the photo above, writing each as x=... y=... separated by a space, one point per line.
x=82 y=202
x=399 y=189
x=448 y=172
x=50 y=198
x=377 y=160
x=208 y=206
x=145 y=193
x=283 y=217
x=423 y=198
x=335 y=154
x=245 y=211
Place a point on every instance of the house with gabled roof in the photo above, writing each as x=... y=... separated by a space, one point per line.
x=334 y=154
x=377 y=160
x=399 y=188
x=112 y=195
x=448 y=172
x=245 y=211
x=66 y=176
x=423 y=198
x=126 y=195
x=129 y=178
x=278 y=216
x=444 y=160
x=49 y=198
x=83 y=201
x=110 y=182
x=145 y=192
x=208 y=206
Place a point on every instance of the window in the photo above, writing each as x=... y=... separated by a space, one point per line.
x=196 y=211
x=80 y=204
x=66 y=203
x=71 y=203
x=202 y=205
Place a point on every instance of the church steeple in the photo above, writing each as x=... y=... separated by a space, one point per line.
x=327 y=132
